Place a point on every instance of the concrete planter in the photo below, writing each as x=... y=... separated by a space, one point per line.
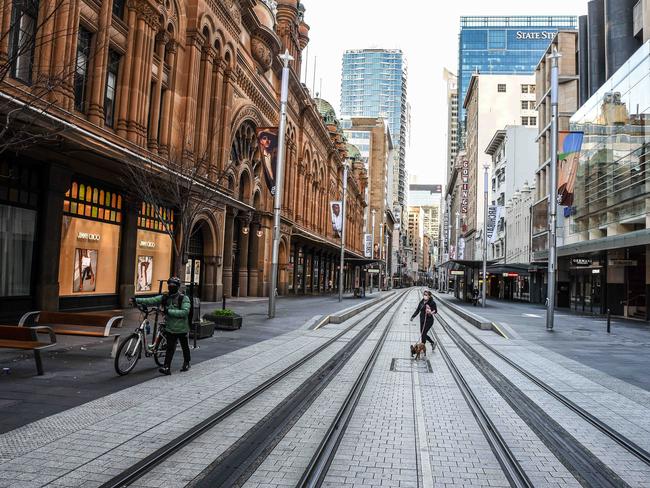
x=203 y=329
x=227 y=323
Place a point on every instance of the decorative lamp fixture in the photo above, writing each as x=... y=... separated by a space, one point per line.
x=260 y=233
x=244 y=230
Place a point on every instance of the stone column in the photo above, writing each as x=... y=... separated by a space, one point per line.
x=194 y=43
x=226 y=119
x=244 y=239
x=203 y=103
x=253 y=258
x=227 y=252
x=124 y=77
x=56 y=181
x=128 y=250
x=164 y=141
x=294 y=288
x=100 y=63
x=216 y=108
x=154 y=106
x=209 y=279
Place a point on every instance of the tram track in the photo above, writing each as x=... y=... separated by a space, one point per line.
x=237 y=463
x=587 y=469
x=629 y=445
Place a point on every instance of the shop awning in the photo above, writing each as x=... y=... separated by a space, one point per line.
x=499 y=269
x=468 y=263
x=315 y=239
x=629 y=239
x=363 y=261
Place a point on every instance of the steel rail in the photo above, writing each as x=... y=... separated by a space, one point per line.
x=511 y=468
x=242 y=459
x=587 y=468
x=613 y=434
x=316 y=470
x=142 y=467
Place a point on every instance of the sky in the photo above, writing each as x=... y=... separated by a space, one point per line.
x=427 y=32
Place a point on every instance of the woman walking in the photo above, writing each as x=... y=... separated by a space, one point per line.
x=427 y=309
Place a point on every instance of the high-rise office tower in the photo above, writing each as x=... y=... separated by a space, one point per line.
x=373 y=84
x=452 y=118
x=503 y=45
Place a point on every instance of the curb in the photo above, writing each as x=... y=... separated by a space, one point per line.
x=474 y=319
x=343 y=315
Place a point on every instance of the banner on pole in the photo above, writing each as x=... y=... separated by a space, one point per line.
x=337 y=217
x=495 y=213
x=367 y=245
x=570 y=144
x=267 y=154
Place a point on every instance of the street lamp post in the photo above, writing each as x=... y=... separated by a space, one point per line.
x=345 y=190
x=372 y=275
x=279 y=182
x=552 y=198
x=486 y=167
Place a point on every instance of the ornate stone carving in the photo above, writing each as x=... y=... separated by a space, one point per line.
x=261 y=52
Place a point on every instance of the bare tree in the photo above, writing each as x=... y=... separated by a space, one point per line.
x=178 y=192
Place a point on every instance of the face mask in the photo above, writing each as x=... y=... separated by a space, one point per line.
x=173 y=289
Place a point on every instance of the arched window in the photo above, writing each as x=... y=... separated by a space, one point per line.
x=244 y=144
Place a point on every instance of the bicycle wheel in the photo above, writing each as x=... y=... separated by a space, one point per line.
x=159 y=352
x=128 y=354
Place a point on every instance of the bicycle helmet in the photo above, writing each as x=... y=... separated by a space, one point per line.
x=173 y=285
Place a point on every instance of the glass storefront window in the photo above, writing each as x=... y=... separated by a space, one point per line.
x=17 y=231
x=153 y=261
x=89 y=257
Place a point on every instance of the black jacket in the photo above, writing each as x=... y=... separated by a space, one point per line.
x=422 y=311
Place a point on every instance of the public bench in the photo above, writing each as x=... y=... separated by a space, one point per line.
x=76 y=324
x=12 y=337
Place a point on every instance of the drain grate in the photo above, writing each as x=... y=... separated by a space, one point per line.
x=401 y=365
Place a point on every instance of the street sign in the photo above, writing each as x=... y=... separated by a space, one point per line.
x=374 y=271
x=457 y=272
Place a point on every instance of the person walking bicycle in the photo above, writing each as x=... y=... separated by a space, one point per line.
x=176 y=307
x=426 y=309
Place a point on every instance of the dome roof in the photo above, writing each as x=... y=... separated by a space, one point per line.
x=325 y=109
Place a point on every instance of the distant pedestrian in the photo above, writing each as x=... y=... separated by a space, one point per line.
x=176 y=307
x=427 y=309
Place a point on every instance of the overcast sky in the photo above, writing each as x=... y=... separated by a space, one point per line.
x=427 y=33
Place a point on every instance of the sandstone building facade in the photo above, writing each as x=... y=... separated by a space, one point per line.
x=98 y=85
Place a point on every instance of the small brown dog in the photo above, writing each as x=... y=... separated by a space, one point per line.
x=418 y=349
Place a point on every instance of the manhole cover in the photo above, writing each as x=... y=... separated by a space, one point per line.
x=401 y=365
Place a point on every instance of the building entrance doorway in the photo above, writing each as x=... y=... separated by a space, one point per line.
x=194 y=266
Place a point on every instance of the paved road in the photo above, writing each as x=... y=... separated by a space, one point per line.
x=79 y=370
x=624 y=353
x=411 y=427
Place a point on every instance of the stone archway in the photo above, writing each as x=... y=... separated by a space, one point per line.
x=201 y=265
x=283 y=273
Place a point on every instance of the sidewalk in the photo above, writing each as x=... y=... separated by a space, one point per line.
x=624 y=353
x=80 y=369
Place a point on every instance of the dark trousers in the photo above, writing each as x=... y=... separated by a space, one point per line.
x=171 y=347
x=425 y=334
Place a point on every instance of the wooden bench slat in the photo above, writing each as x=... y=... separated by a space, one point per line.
x=14 y=344
x=47 y=318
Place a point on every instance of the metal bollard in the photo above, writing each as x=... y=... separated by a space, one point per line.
x=224 y=302
x=609 y=320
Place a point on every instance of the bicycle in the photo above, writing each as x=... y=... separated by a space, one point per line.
x=130 y=349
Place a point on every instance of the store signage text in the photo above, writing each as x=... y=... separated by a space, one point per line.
x=149 y=244
x=464 y=191
x=85 y=236
x=510 y=275
x=521 y=35
x=581 y=261
x=622 y=262
x=457 y=272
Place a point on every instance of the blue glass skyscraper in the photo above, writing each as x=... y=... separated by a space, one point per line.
x=373 y=84
x=504 y=45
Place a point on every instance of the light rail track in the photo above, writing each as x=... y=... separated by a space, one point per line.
x=223 y=468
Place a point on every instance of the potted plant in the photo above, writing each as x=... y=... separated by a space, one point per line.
x=204 y=328
x=224 y=319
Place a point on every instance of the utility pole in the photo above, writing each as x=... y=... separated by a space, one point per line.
x=279 y=182
x=345 y=190
x=552 y=196
x=486 y=178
